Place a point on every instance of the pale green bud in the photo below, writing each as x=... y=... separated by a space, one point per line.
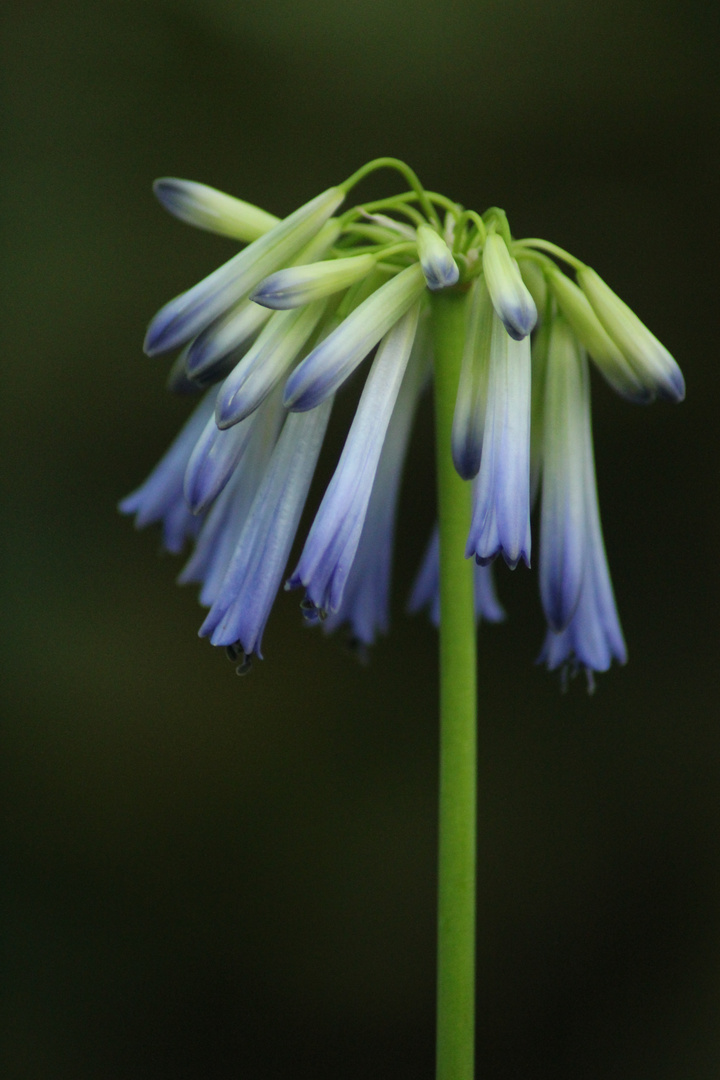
x=650 y=360
x=439 y=267
x=511 y=299
x=214 y=211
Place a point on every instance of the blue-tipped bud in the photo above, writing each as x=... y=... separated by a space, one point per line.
x=335 y=358
x=652 y=363
x=299 y=285
x=510 y=296
x=439 y=267
x=562 y=519
x=212 y=210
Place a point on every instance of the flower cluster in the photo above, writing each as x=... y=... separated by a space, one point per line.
x=271 y=336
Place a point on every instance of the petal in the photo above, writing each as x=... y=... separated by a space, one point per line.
x=222 y=526
x=266 y=362
x=510 y=296
x=334 y=359
x=366 y=598
x=251 y=581
x=298 y=285
x=207 y=208
x=189 y=313
x=562 y=519
x=539 y=353
x=335 y=533
x=593 y=637
x=212 y=462
x=501 y=496
x=439 y=267
x=471 y=403
x=652 y=363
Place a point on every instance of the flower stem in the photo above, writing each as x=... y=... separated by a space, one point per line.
x=458 y=703
x=405 y=170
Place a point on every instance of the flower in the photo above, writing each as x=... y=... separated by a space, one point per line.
x=577 y=596
x=274 y=334
x=501 y=503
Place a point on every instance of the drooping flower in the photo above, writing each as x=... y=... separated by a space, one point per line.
x=583 y=626
x=501 y=510
x=333 y=540
x=278 y=330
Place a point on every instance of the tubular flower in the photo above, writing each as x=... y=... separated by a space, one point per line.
x=577 y=595
x=277 y=331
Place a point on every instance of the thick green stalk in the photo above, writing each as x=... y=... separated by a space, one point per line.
x=458 y=704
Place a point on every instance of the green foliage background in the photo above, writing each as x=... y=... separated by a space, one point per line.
x=212 y=878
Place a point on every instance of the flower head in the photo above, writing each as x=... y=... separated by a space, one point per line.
x=278 y=330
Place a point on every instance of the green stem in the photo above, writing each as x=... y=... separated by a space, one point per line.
x=405 y=170
x=545 y=245
x=458 y=703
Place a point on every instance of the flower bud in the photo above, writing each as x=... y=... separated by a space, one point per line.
x=439 y=267
x=212 y=210
x=650 y=360
x=590 y=332
x=299 y=285
x=511 y=299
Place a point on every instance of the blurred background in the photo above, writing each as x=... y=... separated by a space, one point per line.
x=209 y=877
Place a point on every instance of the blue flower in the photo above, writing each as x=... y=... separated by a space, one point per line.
x=277 y=332
x=501 y=511
x=577 y=596
x=365 y=604
x=253 y=575
x=333 y=540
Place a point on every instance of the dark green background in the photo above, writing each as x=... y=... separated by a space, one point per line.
x=209 y=878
